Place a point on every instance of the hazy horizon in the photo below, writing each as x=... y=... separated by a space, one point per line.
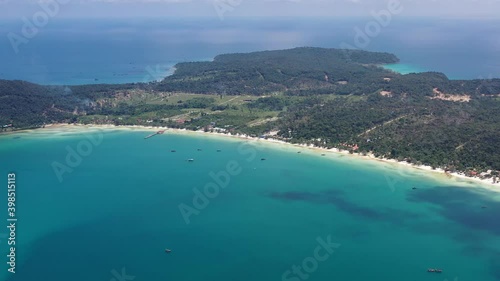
x=231 y=9
x=123 y=51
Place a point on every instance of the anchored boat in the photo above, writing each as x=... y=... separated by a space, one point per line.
x=434 y=270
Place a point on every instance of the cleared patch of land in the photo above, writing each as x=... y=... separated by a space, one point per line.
x=449 y=97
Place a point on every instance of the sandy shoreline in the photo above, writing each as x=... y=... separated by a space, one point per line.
x=455 y=177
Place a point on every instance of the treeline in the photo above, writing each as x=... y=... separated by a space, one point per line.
x=424 y=83
x=27 y=105
x=124 y=108
x=95 y=91
x=456 y=136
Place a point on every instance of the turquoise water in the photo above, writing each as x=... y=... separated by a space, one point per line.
x=403 y=68
x=119 y=209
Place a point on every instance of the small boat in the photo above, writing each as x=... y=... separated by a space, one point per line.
x=299 y=152
x=218 y=150
x=434 y=270
x=322 y=154
x=262 y=159
x=483 y=207
x=413 y=188
x=190 y=160
x=173 y=151
x=168 y=250
x=199 y=149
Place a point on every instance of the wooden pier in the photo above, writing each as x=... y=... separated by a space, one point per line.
x=157 y=133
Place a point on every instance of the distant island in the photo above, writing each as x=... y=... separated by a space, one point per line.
x=329 y=98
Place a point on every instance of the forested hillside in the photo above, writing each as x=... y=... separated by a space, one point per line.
x=29 y=105
x=455 y=135
x=297 y=70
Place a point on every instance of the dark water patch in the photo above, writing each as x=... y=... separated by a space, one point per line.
x=337 y=198
x=473 y=241
x=478 y=226
x=85 y=252
x=473 y=210
x=477 y=250
x=92 y=251
x=468 y=236
x=495 y=265
x=354 y=232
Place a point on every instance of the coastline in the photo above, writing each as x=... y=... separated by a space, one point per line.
x=456 y=178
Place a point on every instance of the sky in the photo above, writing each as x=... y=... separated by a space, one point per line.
x=233 y=9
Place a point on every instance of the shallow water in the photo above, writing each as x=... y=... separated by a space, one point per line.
x=403 y=68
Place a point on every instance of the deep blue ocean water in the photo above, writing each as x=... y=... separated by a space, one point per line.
x=119 y=51
x=118 y=209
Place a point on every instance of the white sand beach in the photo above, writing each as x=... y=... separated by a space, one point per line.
x=439 y=174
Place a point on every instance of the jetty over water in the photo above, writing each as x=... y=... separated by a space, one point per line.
x=157 y=133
